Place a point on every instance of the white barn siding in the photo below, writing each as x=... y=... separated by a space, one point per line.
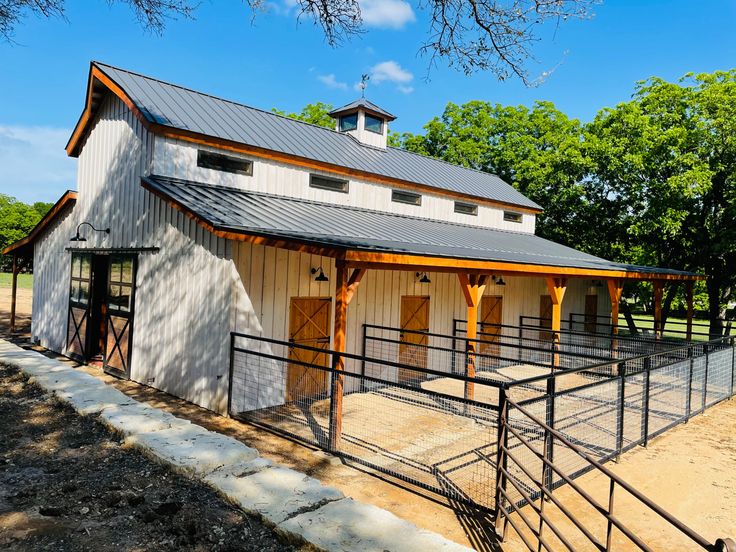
x=177 y=158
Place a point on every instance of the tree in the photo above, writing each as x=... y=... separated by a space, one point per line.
x=669 y=155
x=471 y=35
x=16 y=220
x=313 y=113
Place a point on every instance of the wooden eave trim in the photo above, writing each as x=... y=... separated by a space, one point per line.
x=80 y=131
x=68 y=197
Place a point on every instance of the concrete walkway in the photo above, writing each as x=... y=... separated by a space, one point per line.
x=299 y=507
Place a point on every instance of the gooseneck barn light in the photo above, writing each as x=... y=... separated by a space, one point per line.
x=80 y=238
x=320 y=275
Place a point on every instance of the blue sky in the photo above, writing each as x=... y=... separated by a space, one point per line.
x=274 y=62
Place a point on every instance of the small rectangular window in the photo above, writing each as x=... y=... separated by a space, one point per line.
x=326 y=183
x=466 y=208
x=225 y=163
x=373 y=124
x=349 y=122
x=510 y=216
x=400 y=196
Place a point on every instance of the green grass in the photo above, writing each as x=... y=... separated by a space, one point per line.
x=646 y=321
x=25 y=281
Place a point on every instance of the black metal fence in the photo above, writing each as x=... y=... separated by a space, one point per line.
x=408 y=408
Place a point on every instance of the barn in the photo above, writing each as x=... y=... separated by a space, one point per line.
x=195 y=217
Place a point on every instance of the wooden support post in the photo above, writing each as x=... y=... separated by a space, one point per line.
x=689 y=299
x=615 y=290
x=338 y=361
x=556 y=288
x=658 y=289
x=473 y=286
x=13 y=292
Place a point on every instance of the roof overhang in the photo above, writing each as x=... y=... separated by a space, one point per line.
x=365 y=256
x=24 y=246
x=99 y=83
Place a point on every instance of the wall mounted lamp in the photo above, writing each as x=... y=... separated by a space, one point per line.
x=498 y=280
x=320 y=275
x=423 y=278
x=79 y=238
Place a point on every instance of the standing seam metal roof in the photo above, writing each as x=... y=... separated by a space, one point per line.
x=355 y=228
x=181 y=108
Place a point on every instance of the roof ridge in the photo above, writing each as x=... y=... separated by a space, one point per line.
x=348 y=207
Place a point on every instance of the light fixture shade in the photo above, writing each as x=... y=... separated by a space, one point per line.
x=425 y=279
x=500 y=281
x=320 y=275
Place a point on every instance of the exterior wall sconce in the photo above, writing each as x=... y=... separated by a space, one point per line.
x=498 y=280
x=320 y=275
x=423 y=278
x=78 y=238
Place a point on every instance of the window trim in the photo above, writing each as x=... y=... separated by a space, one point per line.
x=212 y=163
x=417 y=197
x=473 y=208
x=343 y=117
x=365 y=126
x=513 y=216
x=343 y=182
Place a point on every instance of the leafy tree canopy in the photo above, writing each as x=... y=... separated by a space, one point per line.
x=313 y=113
x=16 y=220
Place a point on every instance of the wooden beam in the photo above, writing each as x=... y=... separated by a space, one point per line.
x=472 y=287
x=556 y=288
x=338 y=362
x=615 y=291
x=690 y=309
x=354 y=282
x=658 y=286
x=13 y=292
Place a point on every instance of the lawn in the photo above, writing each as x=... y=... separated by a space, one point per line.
x=24 y=280
x=675 y=327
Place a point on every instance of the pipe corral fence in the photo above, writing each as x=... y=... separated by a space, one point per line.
x=540 y=410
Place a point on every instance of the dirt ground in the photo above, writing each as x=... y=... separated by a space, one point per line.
x=690 y=471
x=66 y=483
x=22 y=309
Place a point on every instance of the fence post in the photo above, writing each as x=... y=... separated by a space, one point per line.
x=362 y=361
x=733 y=366
x=521 y=338
x=501 y=458
x=230 y=376
x=548 y=440
x=691 y=355
x=705 y=379
x=621 y=406
x=647 y=375
x=453 y=365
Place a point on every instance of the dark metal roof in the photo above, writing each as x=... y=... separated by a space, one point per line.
x=329 y=225
x=365 y=104
x=173 y=106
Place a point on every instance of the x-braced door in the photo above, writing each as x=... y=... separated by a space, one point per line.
x=309 y=325
x=79 y=305
x=413 y=350
x=491 y=317
x=545 y=317
x=120 y=310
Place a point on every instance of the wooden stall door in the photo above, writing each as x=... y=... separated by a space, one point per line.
x=309 y=324
x=591 y=313
x=79 y=305
x=491 y=317
x=545 y=315
x=415 y=317
x=120 y=311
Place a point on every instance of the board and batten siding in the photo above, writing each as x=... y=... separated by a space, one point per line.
x=183 y=291
x=177 y=158
x=268 y=278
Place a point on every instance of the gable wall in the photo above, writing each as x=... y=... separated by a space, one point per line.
x=177 y=158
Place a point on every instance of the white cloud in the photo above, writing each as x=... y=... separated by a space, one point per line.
x=35 y=165
x=406 y=89
x=390 y=71
x=331 y=82
x=388 y=14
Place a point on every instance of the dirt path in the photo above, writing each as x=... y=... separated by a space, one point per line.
x=22 y=308
x=66 y=484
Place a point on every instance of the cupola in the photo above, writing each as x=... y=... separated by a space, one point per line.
x=364 y=120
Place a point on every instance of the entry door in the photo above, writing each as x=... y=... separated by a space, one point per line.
x=120 y=311
x=415 y=317
x=79 y=306
x=545 y=315
x=591 y=313
x=309 y=324
x=491 y=316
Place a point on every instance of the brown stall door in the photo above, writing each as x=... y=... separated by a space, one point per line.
x=545 y=314
x=79 y=306
x=309 y=324
x=414 y=316
x=120 y=303
x=591 y=313
x=491 y=316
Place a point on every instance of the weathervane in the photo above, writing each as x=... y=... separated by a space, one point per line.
x=363 y=83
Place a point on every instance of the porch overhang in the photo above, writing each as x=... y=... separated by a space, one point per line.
x=364 y=238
